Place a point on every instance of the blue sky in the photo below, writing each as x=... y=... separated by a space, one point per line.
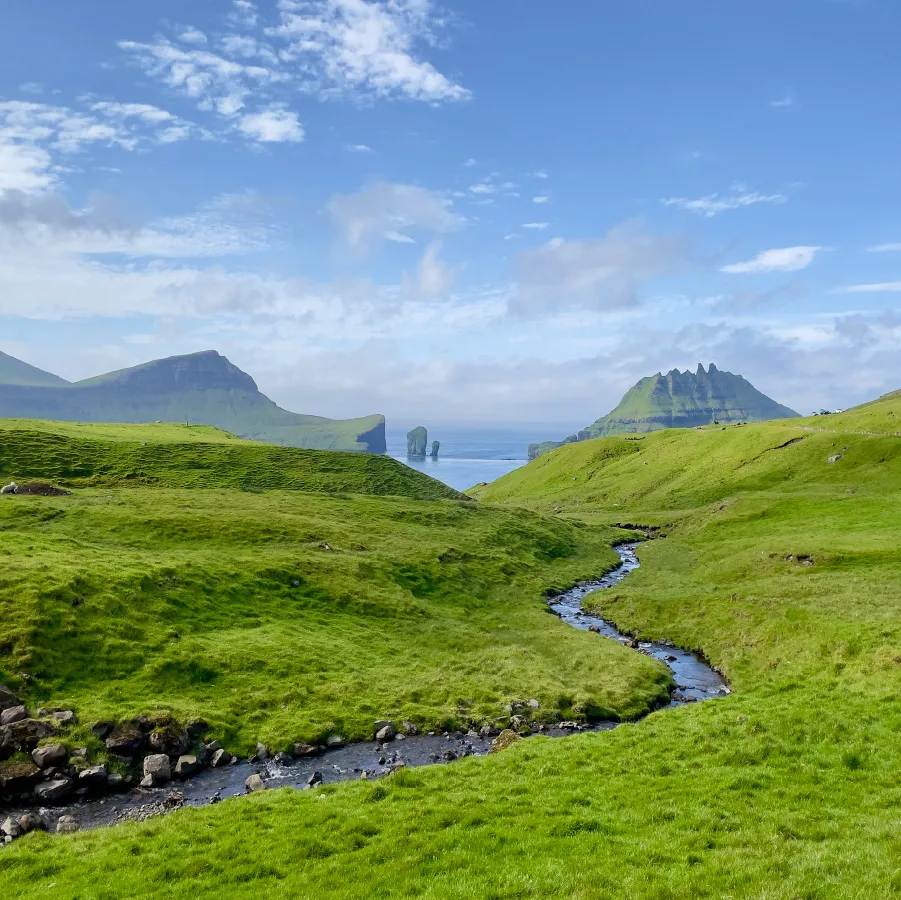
x=476 y=212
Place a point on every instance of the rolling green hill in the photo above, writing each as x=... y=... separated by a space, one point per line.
x=201 y=388
x=779 y=562
x=680 y=400
x=14 y=371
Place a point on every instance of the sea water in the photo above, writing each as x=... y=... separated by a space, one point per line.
x=472 y=455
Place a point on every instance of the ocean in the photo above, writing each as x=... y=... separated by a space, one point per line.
x=469 y=456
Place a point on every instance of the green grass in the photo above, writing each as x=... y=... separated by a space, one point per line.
x=787 y=789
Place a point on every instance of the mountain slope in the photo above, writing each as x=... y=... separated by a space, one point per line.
x=200 y=388
x=681 y=400
x=14 y=371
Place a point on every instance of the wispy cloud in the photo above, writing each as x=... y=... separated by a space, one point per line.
x=886 y=287
x=885 y=248
x=783 y=102
x=543 y=199
x=272 y=126
x=470 y=163
x=537 y=226
x=714 y=204
x=359 y=148
x=785 y=259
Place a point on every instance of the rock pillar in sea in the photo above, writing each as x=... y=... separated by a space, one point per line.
x=417 y=441
x=436 y=446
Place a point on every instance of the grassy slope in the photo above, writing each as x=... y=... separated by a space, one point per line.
x=194 y=456
x=182 y=593
x=14 y=371
x=787 y=789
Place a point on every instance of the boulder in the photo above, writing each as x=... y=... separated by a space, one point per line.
x=8 y=699
x=221 y=758
x=30 y=821
x=50 y=756
x=504 y=740
x=116 y=782
x=10 y=488
x=487 y=730
x=533 y=704
x=18 y=778
x=65 y=717
x=13 y=714
x=173 y=740
x=28 y=733
x=66 y=825
x=436 y=446
x=409 y=728
x=304 y=751
x=126 y=740
x=834 y=459
x=53 y=791
x=102 y=730
x=314 y=779
x=94 y=778
x=147 y=782
x=385 y=731
x=334 y=742
x=158 y=767
x=7 y=744
x=254 y=784
x=262 y=753
x=187 y=766
x=283 y=759
x=10 y=827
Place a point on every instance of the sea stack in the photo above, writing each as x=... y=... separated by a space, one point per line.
x=436 y=446
x=417 y=441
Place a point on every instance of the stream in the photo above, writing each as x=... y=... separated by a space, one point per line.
x=695 y=680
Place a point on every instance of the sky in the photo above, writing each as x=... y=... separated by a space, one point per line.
x=478 y=212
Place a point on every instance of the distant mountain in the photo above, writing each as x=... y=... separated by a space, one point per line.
x=201 y=388
x=680 y=400
x=14 y=371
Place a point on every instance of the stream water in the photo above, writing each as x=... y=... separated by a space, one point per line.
x=695 y=680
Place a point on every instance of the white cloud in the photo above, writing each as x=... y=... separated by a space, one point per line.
x=193 y=35
x=24 y=166
x=433 y=278
x=397 y=238
x=537 y=226
x=383 y=208
x=541 y=173
x=272 y=126
x=483 y=188
x=713 y=204
x=366 y=47
x=786 y=259
x=541 y=199
x=359 y=148
x=884 y=248
x=599 y=274
x=886 y=287
x=470 y=163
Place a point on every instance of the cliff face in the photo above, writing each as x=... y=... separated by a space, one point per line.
x=417 y=441
x=200 y=388
x=681 y=400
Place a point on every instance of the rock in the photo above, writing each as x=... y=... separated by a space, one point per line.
x=631 y=643
x=517 y=722
x=94 y=777
x=13 y=714
x=8 y=745
x=101 y=730
x=221 y=758
x=314 y=779
x=410 y=729
x=304 y=751
x=10 y=488
x=173 y=740
x=18 y=778
x=158 y=768
x=504 y=740
x=173 y=800
x=449 y=755
x=187 y=766
x=52 y=791
x=595 y=629
x=147 y=781
x=8 y=699
x=283 y=759
x=254 y=784
x=417 y=441
x=385 y=731
x=10 y=827
x=834 y=459
x=334 y=742
x=533 y=704
x=436 y=446
x=50 y=756
x=116 y=782
x=66 y=825
x=262 y=753
x=30 y=732
x=65 y=717
x=197 y=728
x=126 y=740
x=30 y=821
x=487 y=730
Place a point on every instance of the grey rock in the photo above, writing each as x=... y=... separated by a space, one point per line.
x=28 y=733
x=94 y=777
x=254 y=784
x=334 y=742
x=449 y=755
x=303 y=751
x=187 y=766
x=417 y=441
x=13 y=714
x=8 y=745
x=488 y=730
x=8 y=699
x=65 y=717
x=158 y=768
x=50 y=756
x=10 y=488
x=221 y=758
x=126 y=740
x=171 y=741
x=66 y=825
x=10 y=827
x=284 y=759
x=409 y=728
x=19 y=778
x=533 y=704
x=262 y=753
x=52 y=791
x=386 y=732
x=30 y=821
x=147 y=781
x=116 y=782
x=834 y=459
x=314 y=779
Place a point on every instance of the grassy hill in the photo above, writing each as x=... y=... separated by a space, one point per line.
x=781 y=566
x=14 y=371
x=680 y=400
x=200 y=388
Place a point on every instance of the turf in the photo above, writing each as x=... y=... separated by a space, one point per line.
x=781 y=566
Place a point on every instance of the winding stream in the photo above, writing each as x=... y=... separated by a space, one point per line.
x=695 y=680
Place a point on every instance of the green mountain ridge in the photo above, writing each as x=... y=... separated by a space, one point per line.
x=680 y=400
x=199 y=388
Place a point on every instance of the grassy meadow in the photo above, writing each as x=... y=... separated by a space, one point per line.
x=782 y=567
